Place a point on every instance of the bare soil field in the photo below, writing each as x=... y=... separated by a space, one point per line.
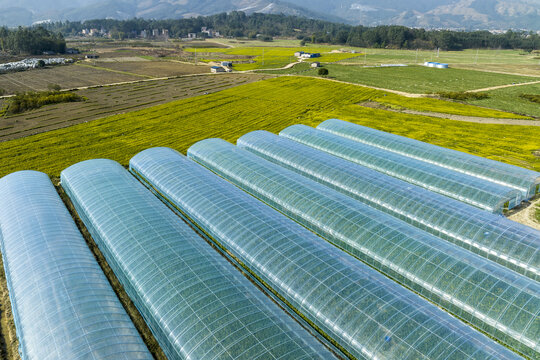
x=155 y=68
x=67 y=76
x=116 y=99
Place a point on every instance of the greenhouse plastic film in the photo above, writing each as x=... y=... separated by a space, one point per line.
x=511 y=244
x=196 y=303
x=63 y=305
x=502 y=303
x=469 y=189
x=527 y=181
x=365 y=313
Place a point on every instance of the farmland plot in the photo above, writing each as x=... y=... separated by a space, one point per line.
x=110 y=100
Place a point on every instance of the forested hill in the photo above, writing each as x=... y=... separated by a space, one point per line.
x=448 y=14
x=33 y=41
x=239 y=24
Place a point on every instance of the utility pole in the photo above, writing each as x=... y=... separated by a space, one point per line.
x=263 y=57
x=365 y=58
x=476 y=59
x=416 y=60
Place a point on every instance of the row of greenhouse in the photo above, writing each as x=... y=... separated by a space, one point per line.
x=31 y=63
x=339 y=241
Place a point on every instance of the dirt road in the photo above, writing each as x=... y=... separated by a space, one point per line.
x=503 y=86
x=526 y=214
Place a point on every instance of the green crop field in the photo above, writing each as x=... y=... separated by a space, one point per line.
x=267 y=57
x=270 y=105
x=508 y=99
x=418 y=79
x=432 y=105
x=425 y=104
x=285 y=42
x=469 y=57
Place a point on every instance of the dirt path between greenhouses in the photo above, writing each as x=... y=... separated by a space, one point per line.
x=526 y=214
x=474 y=119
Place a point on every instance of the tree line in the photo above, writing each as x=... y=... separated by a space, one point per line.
x=31 y=40
x=239 y=24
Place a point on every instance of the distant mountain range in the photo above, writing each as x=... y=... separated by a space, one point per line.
x=454 y=14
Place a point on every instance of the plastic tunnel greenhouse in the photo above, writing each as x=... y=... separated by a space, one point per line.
x=507 y=242
x=197 y=304
x=368 y=315
x=502 y=303
x=527 y=181
x=477 y=192
x=63 y=305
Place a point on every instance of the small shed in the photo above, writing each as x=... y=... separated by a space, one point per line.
x=298 y=53
x=227 y=63
x=92 y=56
x=315 y=64
x=217 y=69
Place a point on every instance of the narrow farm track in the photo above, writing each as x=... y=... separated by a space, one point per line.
x=402 y=93
x=288 y=66
x=474 y=119
x=503 y=86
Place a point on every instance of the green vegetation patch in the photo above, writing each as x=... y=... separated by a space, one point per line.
x=531 y=97
x=33 y=100
x=504 y=103
x=462 y=96
x=421 y=79
x=509 y=99
x=442 y=106
x=269 y=105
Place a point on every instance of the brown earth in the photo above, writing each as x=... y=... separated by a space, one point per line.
x=116 y=99
x=156 y=68
x=67 y=76
x=525 y=214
